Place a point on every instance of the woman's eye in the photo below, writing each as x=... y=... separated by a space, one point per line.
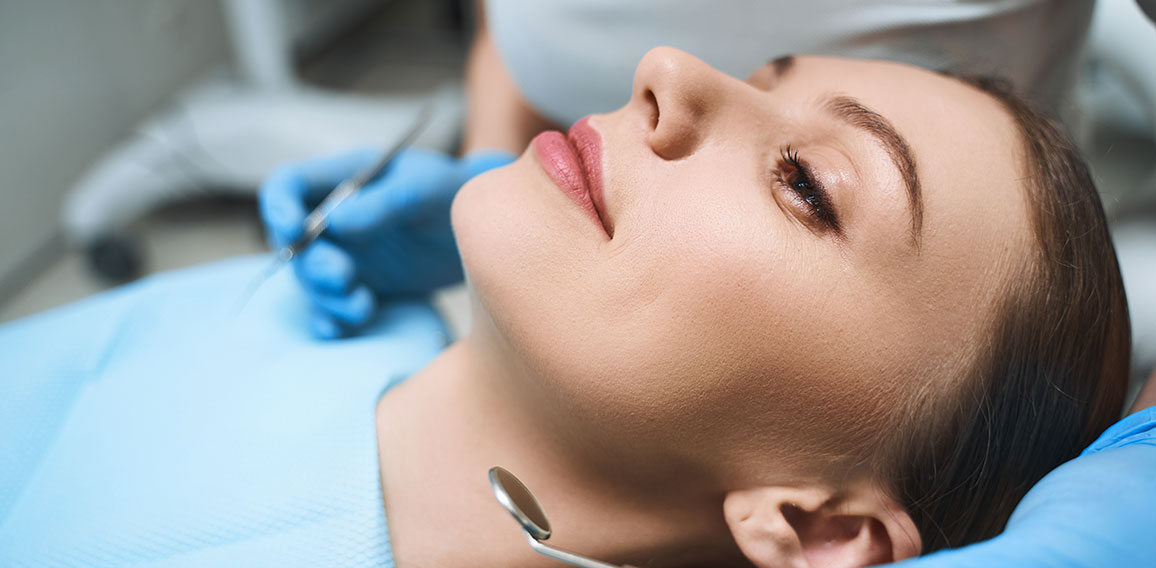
x=794 y=173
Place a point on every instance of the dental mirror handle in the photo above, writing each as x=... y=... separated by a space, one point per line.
x=567 y=557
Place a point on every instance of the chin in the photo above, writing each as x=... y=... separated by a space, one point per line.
x=504 y=243
x=525 y=248
x=540 y=287
x=493 y=229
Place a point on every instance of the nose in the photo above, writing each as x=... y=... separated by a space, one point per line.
x=683 y=97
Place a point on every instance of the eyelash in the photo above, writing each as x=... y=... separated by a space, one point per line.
x=794 y=174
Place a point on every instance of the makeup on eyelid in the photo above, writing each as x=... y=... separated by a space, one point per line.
x=807 y=192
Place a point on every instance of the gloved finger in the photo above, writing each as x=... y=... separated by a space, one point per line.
x=323 y=326
x=354 y=309
x=282 y=213
x=414 y=180
x=290 y=191
x=326 y=268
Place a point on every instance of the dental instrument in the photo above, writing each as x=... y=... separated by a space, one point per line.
x=516 y=499
x=318 y=219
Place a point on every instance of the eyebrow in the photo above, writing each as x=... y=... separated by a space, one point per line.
x=780 y=65
x=850 y=110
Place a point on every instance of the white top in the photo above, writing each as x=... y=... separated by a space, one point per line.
x=571 y=58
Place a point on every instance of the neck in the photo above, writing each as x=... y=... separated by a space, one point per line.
x=441 y=432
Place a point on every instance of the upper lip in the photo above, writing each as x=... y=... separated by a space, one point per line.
x=588 y=145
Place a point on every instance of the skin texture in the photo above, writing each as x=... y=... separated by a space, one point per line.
x=724 y=345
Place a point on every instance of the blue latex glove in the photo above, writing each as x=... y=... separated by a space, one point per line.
x=1096 y=510
x=393 y=238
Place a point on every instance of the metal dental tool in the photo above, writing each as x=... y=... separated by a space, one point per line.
x=516 y=499
x=318 y=219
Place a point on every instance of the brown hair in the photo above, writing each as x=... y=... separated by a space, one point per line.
x=1055 y=371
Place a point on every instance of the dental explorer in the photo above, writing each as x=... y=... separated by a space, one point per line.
x=318 y=219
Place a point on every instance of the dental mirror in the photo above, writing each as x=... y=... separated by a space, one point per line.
x=517 y=500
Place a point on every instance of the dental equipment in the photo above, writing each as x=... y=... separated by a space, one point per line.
x=318 y=219
x=517 y=499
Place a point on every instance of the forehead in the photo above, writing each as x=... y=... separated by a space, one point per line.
x=970 y=162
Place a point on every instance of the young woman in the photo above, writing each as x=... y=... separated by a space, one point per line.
x=840 y=313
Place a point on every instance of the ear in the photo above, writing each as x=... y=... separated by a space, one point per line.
x=818 y=527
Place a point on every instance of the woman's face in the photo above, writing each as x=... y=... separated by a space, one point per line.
x=773 y=265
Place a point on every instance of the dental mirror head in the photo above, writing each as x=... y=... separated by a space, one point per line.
x=515 y=498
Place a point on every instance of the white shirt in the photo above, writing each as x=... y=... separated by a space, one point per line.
x=571 y=58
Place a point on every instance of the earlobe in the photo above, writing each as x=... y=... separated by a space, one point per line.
x=816 y=527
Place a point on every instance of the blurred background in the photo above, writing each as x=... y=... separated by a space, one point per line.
x=133 y=133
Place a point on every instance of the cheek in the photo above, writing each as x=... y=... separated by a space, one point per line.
x=692 y=312
x=724 y=268
x=752 y=329
x=713 y=317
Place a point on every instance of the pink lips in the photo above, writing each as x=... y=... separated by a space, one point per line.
x=574 y=162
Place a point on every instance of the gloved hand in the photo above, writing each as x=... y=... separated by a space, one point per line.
x=392 y=238
x=1096 y=510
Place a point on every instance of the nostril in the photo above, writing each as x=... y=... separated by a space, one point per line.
x=652 y=100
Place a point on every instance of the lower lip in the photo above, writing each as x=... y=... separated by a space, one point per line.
x=563 y=165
